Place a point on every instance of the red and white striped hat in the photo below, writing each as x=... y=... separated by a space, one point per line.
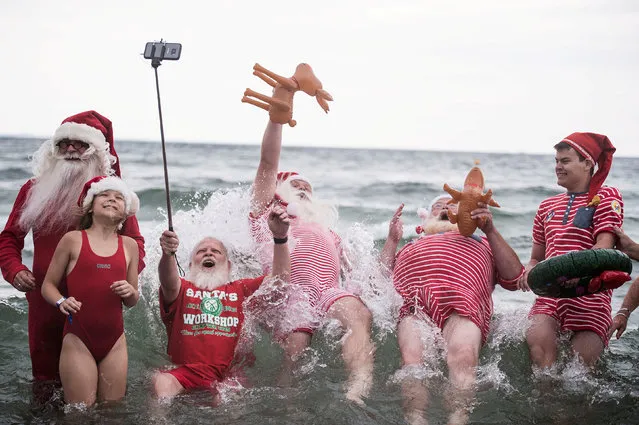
x=289 y=176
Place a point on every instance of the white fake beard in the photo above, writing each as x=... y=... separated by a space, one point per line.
x=435 y=225
x=52 y=199
x=304 y=206
x=206 y=279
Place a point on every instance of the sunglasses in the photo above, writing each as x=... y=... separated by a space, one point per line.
x=75 y=143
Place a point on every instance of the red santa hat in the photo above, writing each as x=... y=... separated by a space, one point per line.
x=596 y=148
x=289 y=176
x=100 y=184
x=94 y=129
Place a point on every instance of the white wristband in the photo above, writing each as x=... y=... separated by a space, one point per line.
x=60 y=301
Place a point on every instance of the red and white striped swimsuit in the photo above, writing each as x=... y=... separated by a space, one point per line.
x=315 y=262
x=553 y=228
x=448 y=273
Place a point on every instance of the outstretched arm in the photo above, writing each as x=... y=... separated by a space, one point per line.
x=395 y=232
x=537 y=255
x=627 y=245
x=506 y=261
x=265 y=178
x=629 y=304
x=278 y=222
x=167 y=267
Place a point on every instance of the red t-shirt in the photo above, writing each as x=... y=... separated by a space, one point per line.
x=203 y=326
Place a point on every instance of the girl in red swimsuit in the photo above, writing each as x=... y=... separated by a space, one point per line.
x=100 y=269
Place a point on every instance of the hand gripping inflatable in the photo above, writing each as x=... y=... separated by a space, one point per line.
x=280 y=105
x=468 y=199
x=580 y=273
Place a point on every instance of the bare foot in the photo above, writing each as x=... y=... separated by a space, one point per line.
x=415 y=418
x=359 y=386
x=458 y=417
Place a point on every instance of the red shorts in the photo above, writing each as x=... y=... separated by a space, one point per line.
x=588 y=313
x=194 y=377
x=439 y=310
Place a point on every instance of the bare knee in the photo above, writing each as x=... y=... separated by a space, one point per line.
x=166 y=385
x=462 y=357
x=295 y=345
x=359 y=318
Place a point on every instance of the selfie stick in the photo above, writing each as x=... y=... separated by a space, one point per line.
x=155 y=63
x=157 y=51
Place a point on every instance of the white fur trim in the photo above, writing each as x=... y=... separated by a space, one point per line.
x=579 y=149
x=297 y=177
x=82 y=132
x=131 y=200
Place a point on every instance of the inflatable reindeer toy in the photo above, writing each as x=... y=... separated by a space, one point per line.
x=280 y=105
x=468 y=199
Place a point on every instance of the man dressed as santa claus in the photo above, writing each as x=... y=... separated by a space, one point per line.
x=81 y=148
x=317 y=258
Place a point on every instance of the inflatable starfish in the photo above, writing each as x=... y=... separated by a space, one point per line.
x=468 y=199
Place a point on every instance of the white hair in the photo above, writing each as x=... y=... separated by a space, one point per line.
x=305 y=205
x=51 y=205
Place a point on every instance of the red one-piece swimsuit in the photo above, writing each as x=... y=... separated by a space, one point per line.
x=99 y=322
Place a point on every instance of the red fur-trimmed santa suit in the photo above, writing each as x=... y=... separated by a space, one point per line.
x=46 y=324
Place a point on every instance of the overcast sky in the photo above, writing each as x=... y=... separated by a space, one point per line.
x=498 y=76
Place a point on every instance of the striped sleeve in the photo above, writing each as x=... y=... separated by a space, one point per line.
x=539 y=234
x=609 y=212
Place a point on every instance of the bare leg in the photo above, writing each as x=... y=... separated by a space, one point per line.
x=414 y=392
x=112 y=372
x=166 y=386
x=294 y=345
x=542 y=340
x=357 y=348
x=78 y=371
x=463 y=341
x=588 y=345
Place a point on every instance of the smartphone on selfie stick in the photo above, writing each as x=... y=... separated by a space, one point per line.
x=158 y=51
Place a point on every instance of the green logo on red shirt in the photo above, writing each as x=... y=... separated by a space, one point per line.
x=211 y=306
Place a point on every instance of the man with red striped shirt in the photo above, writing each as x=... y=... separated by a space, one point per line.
x=316 y=261
x=446 y=280
x=584 y=217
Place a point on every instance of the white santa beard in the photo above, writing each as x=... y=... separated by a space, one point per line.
x=52 y=199
x=435 y=225
x=207 y=279
x=304 y=206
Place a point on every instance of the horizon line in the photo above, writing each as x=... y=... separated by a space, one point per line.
x=238 y=143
